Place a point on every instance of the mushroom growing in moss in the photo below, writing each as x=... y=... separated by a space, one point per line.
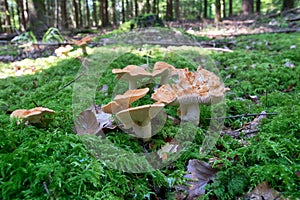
x=132 y=74
x=139 y=118
x=83 y=43
x=32 y=116
x=191 y=90
x=123 y=101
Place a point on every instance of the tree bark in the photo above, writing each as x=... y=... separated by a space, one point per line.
x=288 y=4
x=169 y=11
x=247 y=7
x=37 y=21
x=75 y=4
x=218 y=11
x=176 y=8
x=80 y=15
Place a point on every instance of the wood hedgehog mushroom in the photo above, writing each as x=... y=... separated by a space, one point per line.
x=131 y=73
x=122 y=102
x=191 y=90
x=32 y=116
x=164 y=70
x=139 y=118
x=82 y=43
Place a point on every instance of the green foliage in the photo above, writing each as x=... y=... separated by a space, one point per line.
x=25 y=37
x=54 y=163
x=53 y=35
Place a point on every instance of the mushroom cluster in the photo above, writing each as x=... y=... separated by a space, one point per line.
x=190 y=90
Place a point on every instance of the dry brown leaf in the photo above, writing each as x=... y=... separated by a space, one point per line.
x=263 y=191
x=200 y=174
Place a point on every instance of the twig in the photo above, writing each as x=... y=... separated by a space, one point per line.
x=46 y=188
x=219 y=49
x=244 y=115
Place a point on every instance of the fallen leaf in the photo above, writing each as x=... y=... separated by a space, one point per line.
x=263 y=191
x=201 y=174
x=86 y=123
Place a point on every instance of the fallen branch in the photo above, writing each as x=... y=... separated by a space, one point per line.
x=244 y=115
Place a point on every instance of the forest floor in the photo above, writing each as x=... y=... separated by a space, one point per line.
x=254 y=156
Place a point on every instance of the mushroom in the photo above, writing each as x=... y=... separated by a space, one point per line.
x=139 y=118
x=123 y=101
x=192 y=89
x=164 y=70
x=131 y=73
x=32 y=116
x=83 y=43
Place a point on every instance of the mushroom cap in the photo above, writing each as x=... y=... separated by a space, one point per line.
x=164 y=94
x=113 y=107
x=33 y=115
x=139 y=115
x=123 y=101
x=201 y=86
x=131 y=72
x=163 y=68
x=131 y=95
x=83 y=41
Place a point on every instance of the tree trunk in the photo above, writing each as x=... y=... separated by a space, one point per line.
x=169 y=11
x=205 y=9
x=75 y=4
x=88 y=13
x=136 y=8
x=114 y=12
x=123 y=11
x=258 y=5
x=13 y=21
x=95 y=16
x=37 y=21
x=176 y=8
x=247 y=7
x=154 y=7
x=104 y=13
x=288 y=4
x=80 y=15
x=148 y=6
x=218 y=11
x=224 y=8
x=64 y=14
x=230 y=7
x=8 y=27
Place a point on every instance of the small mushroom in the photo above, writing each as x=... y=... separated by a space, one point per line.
x=164 y=70
x=32 y=116
x=131 y=73
x=139 y=118
x=83 y=43
x=123 y=101
x=63 y=51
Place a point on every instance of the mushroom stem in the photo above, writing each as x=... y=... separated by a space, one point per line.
x=132 y=85
x=143 y=130
x=164 y=79
x=190 y=113
x=83 y=47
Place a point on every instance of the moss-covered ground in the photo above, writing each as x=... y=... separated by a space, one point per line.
x=52 y=162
